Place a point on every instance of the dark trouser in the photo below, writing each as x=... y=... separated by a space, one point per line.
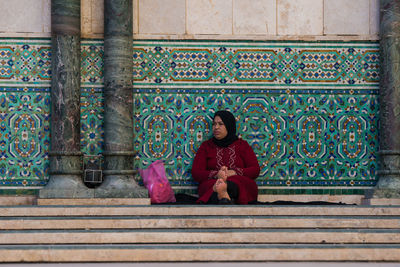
x=233 y=192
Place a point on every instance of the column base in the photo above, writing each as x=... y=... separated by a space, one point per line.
x=120 y=186
x=65 y=186
x=386 y=192
x=381 y=201
x=388 y=185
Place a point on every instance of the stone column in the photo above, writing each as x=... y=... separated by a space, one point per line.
x=389 y=168
x=118 y=103
x=65 y=156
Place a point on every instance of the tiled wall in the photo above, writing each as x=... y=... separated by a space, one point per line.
x=309 y=109
x=24 y=112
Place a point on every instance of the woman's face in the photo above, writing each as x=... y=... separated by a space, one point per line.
x=219 y=129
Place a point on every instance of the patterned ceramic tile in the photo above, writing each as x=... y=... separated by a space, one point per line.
x=25 y=62
x=24 y=138
x=233 y=63
x=319 y=140
x=309 y=109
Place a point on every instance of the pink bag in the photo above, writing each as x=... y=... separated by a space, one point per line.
x=156 y=182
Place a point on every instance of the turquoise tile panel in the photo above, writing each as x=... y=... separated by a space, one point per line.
x=312 y=147
x=24 y=138
x=309 y=109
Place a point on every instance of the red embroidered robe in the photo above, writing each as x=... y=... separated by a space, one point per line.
x=238 y=156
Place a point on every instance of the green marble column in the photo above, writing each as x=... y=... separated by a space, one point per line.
x=65 y=156
x=389 y=170
x=118 y=104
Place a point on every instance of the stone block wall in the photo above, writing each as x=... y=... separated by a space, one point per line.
x=249 y=19
x=25 y=18
x=211 y=19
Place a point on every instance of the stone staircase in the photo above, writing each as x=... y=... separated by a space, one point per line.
x=175 y=233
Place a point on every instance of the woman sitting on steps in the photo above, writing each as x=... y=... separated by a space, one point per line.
x=225 y=166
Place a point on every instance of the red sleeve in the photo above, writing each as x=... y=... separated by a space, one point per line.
x=251 y=167
x=199 y=167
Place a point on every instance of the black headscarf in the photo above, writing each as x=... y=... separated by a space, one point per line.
x=230 y=124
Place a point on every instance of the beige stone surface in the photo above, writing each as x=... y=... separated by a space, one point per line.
x=200 y=210
x=135 y=6
x=209 y=16
x=258 y=37
x=382 y=201
x=300 y=17
x=86 y=17
x=201 y=223
x=347 y=199
x=97 y=11
x=173 y=237
x=221 y=264
x=254 y=17
x=25 y=34
x=205 y=254
x=46 y=19
x=211 y=19
x=374 y=16
x=93 y=201
x=346 y=17
x=207 y=237
x=17 y=200
x=31 y=17
x=162 y=16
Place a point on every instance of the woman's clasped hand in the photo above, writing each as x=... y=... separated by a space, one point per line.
x=224 y=173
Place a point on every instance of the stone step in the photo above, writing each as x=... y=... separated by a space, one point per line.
x=197 y=210
x=199 y=222
x=168 y=233
x=199 y=253
x=202 y=236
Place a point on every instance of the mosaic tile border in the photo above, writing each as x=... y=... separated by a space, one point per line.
x=25 y=63
x=156 y=63
x=30 y=63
